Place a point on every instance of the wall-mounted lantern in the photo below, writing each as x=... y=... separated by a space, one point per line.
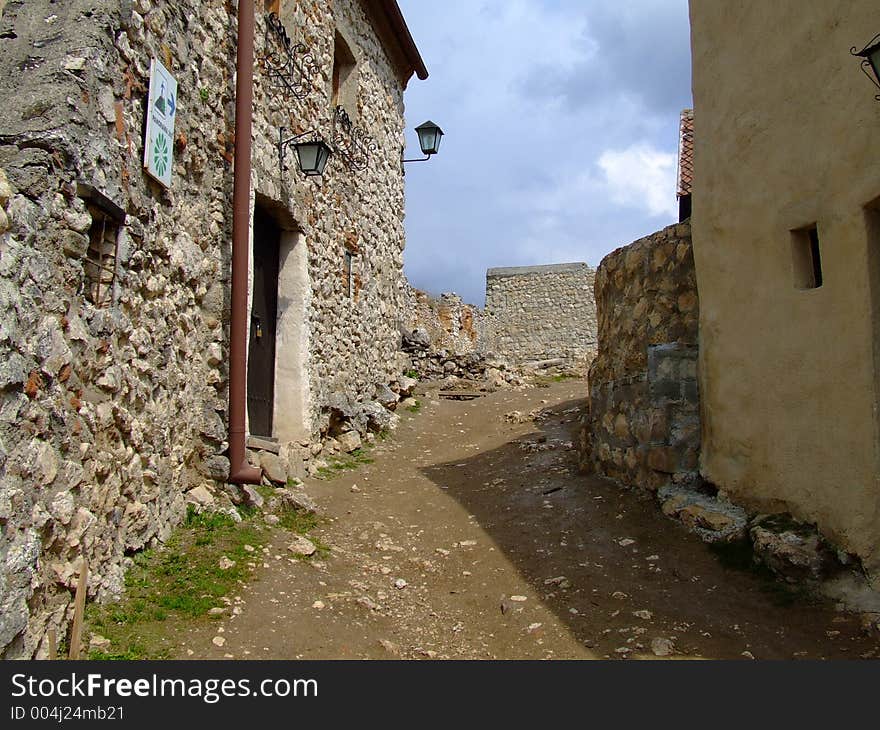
x=870 y=56
x=429 y=140
x=312 y=152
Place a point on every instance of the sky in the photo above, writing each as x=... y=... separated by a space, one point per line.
x=561 y=132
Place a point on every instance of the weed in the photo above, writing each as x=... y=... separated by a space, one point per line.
x=204 y=94
x=412 y=374
x=415 y=408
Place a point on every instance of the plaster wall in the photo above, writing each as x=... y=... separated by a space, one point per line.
x=786 y=137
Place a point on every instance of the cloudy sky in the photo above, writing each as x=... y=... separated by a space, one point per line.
x=561 y=121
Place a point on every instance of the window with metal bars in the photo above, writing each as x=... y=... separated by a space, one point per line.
x=100 y=263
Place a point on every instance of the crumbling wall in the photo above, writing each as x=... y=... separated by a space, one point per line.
x=643 y=423
x=538 y=313
x=450 y=323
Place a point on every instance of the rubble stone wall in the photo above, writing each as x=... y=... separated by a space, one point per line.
x=541 y=313
x=642 y=427
x=451 y=323
x=109 y=414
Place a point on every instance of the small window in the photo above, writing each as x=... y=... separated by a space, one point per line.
x=344 y=91
x=806 y=258
x=100 y=263
x=100 y=260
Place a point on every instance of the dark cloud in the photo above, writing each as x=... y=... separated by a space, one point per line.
x=532 y=94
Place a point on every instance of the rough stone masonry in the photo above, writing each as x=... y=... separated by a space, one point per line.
x=113 y=381
x=538 y=313
x=643 y=423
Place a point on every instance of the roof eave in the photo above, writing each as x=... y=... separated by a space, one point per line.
x=394 y=33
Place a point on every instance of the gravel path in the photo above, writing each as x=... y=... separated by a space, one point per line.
x=472 y=536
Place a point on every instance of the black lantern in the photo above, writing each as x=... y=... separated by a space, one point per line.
x=312 y=152
x=870 y=56
x=429 y=140
x=312 y=156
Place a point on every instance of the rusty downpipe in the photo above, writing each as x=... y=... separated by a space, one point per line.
x=240 y=471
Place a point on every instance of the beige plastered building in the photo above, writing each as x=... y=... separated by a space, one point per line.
x=786 y=232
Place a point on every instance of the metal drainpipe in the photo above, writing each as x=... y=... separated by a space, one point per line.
x=240 y=471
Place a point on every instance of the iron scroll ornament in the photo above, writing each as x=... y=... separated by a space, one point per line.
x=288 y=65
x=352 y=143
x=865 y=64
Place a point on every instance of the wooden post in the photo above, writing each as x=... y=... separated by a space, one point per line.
x=79 y=607
x=53 y=645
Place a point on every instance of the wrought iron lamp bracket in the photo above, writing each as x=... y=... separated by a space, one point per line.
x=352 y=143
x=865 y=63
x=289 y=66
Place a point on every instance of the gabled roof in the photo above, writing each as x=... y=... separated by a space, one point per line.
x=686 y=153
x=390 y=26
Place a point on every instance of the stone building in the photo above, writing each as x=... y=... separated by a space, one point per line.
x=541 y=313
x=116 y=291
x=786 y=236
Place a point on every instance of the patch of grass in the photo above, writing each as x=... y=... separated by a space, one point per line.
x=336 y=465
x=178 y=583
x=204 y=94
x=416 y=407
x=412 y=374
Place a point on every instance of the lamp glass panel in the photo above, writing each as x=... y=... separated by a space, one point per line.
x=323 y=155
x=427 y=141
x=308 y=156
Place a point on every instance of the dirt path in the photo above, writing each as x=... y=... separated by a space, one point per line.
x=474 y=537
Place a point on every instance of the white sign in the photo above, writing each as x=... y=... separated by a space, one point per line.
x=161 y=112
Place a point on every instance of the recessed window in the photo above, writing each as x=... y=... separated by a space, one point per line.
x=344 y=91
x=100 y=260
x=806 y=258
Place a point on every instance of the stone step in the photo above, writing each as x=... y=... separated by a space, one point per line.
x=262 y=443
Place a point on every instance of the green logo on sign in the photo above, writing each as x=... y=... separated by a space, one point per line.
x=160 y=154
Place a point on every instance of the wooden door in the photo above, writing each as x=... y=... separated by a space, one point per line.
x=264 y=318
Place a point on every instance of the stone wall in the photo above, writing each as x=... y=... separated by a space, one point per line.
x=449 y=322
x=541 y=313
x=643 y=423
x=110 y=413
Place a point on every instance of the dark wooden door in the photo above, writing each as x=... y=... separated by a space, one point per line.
x=264 y=317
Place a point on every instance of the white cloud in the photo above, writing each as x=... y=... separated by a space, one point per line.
x=641 y=177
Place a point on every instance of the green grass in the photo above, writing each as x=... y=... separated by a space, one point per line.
x=415 y=408
x=337 y=465
x=412 y=374
x=174 y=586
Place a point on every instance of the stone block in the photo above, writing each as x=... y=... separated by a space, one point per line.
x=349 y=441
x=274 y=467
